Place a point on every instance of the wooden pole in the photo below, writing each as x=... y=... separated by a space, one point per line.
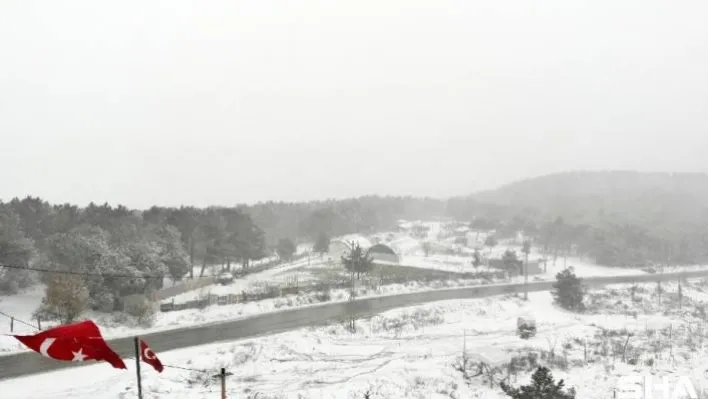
x=223 y=383
x=526 y=278
x=137 y=367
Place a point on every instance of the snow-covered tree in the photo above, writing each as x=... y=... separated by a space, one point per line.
x=542 y=386
x=16 y=251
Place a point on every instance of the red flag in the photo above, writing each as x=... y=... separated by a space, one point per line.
x=76 y=342
x=149 y=357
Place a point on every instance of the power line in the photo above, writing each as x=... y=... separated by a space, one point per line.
x=165 y=365
x=18 y=320
x=186 y=368
x=89 y=274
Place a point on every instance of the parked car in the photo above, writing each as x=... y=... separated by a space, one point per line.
x=225 y=278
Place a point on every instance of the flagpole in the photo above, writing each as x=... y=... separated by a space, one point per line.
x=223 y=383
x=137 y=367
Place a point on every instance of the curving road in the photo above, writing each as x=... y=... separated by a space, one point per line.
x=24 y=364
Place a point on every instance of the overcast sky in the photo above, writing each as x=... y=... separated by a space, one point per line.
x=222 y=102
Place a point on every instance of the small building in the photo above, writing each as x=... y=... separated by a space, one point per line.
x=384 y=253
x=341 y=246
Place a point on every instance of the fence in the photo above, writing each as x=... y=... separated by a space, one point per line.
x=195 y=284
x=293 y=287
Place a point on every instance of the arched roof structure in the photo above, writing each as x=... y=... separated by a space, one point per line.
x=383 y=252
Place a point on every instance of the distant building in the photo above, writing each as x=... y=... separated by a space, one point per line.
x=341 y=246
x=383 y=253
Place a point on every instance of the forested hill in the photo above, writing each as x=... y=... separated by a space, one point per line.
x=616 y=197
x=619 y=217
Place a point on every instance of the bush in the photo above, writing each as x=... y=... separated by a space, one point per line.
x=525 y=328
x=142 y=309
x=103 y=301
x=542 y=387
x=324 y=296
x=568 y=291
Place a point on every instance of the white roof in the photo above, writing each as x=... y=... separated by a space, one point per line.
x=361 y=240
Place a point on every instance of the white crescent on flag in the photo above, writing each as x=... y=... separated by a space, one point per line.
x=46 y=344
x=149 y=354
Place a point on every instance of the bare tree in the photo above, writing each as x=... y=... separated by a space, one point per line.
x=66 y=296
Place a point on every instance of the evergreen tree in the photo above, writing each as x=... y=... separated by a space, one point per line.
x=476 y=258
x=511 y=261
x=322 y=244
x=357 y=261
x=286 y=249
x=16 y=250
x=568 y=291
x=542 y=386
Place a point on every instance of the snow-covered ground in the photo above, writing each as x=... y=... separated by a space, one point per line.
x=395 y=364
x=243 y=283
x=412 y=353
x=21 y=306
x=119 y=325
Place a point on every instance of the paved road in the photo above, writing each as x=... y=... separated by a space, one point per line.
x=24 y=364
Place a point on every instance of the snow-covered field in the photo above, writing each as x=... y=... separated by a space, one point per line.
x=406 y=353
x=243 y=283
x=413 y=353
x=21 y=306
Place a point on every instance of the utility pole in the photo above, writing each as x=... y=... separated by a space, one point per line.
x=137 y=367
x=526 y=279
x=222 y=378
x=527 y=250
x=355 y=266
x=352 y=326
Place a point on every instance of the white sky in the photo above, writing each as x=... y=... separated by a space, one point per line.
x=226 y=101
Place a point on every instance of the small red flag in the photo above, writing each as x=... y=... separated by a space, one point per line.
x=149 y=357
x=75 y=342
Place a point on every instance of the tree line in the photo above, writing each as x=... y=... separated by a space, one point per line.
x=608 y=244
x=100 y=241
x=114 y=251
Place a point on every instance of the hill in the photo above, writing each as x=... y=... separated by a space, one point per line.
x=614 y=197
x=620 y=217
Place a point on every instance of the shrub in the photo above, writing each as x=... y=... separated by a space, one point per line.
x=525 y=328
x=142 y=309
x=324 y=296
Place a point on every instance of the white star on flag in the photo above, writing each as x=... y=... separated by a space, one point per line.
x=79 y=356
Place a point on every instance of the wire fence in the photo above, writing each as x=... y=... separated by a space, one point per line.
x=293 y=286
x=198 y=283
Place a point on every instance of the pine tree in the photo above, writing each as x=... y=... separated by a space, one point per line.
x=568 y=291
x=322 y=244
x=286 y=249
x=357 y=260
x=511 y=261
x=542 y=387
x=476 y=258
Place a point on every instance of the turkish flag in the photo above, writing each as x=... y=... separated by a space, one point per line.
x=149 y=357
x=75 y=342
